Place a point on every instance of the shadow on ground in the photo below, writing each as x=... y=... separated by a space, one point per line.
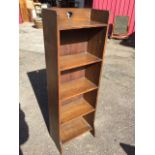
x=130 y=41
x=129 y=149
x=39 y=85
x=23 y=129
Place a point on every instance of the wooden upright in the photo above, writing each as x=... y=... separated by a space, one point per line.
x=74 y=42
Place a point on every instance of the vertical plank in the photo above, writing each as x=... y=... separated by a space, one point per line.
x=109 y=7
x=132 y=21
x=126 y=6
x=100 y=4
x=105 y=4
x=122 y=7
x=112 y=11
x=94 y=5
x=130 y=9
x=51 y=44
x=117 y=8
x=131 y=12
x=100 y=41
x=109 y=4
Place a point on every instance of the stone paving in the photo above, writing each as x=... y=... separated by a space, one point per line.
x=115 y=112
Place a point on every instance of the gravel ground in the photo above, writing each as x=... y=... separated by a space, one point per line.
x=115 y=112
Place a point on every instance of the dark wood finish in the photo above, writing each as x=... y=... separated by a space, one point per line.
x=77 y=60
x=73 y=129
x=80 y=25
x=51 y=43
x=78 y=15
x=74 y=48
x=69 y=44
x=95 y=43
x=88 y=4
x=100 y=16
x=92 y=73
x=70 y=75
x=75 y=88
x=91 y=98
x=78 y=107
x=90 y=120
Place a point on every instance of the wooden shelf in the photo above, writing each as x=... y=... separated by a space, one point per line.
x=80 y=25
x=75 y=87
x=74 y=109
x=73 y=129
x=77 y=60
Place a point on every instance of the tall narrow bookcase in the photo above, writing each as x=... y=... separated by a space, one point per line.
x=74 y=42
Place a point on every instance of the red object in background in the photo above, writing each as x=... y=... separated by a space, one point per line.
x=20 y=18
x=118 y=8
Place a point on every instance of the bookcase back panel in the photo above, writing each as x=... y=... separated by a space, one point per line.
x=82 y=40
x=95 y=41
x=72 y=99
x=91 y=72
x=90 y=119
x=73 y=41
x=91 y=97
x=72 y=75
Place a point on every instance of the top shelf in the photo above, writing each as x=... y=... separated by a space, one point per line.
x=77 y=25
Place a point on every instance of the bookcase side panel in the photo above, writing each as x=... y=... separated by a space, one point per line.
x=52 y=68
x=96 y=46
x=100 y=74
x=100 y=16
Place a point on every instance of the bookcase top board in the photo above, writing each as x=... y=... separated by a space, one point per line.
x=75 y=18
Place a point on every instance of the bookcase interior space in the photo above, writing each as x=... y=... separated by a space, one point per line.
x=78 y=81
x=85 y=48
x=74 y=129
x=80 y=41
x=78 y=106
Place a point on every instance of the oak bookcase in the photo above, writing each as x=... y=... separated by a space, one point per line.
x=74 y=42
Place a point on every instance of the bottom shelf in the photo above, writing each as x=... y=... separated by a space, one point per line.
x=73 y=129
